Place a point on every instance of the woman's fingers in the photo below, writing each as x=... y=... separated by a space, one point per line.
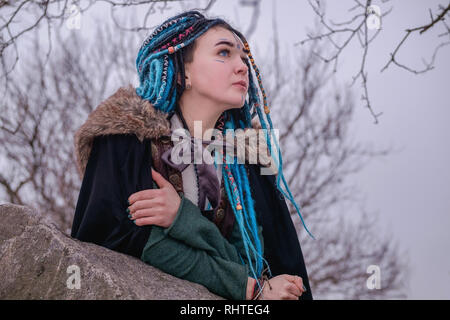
x=295 y=285
x=161 y=204
x=159 y=179
x=147 y=212
x=292 y=288
x=289 y=296
x=148 y=221
x=145 y=195
x=143 y=204
x=298 y=281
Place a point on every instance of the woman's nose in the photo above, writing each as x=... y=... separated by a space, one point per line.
x=242 y=66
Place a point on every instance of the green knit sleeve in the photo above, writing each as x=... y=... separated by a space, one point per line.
x=194 y=229
x=193 y=248
x=223 y=277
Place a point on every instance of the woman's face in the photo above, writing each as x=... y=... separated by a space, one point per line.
x=218 y=63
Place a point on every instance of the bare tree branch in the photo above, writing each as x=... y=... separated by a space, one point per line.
x=13 y=13
x=363 y=11
x=422 y=29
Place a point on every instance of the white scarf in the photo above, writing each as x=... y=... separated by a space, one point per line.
x=189 y=178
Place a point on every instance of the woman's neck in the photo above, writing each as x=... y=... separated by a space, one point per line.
x=205 y=118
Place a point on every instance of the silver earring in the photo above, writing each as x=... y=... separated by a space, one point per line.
x=188 y=86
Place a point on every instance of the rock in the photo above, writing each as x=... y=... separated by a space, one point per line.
x=38 y=261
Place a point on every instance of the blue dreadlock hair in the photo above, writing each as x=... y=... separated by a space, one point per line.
x=159 y=61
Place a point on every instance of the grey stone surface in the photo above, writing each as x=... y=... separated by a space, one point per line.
x=35 y=257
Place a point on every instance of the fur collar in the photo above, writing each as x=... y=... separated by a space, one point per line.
x=124 y=112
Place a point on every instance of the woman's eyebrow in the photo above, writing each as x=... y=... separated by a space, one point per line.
x=228 y=43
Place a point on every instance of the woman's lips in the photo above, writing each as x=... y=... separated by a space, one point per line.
x=240 y=86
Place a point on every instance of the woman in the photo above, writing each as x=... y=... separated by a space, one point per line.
x=214 y=224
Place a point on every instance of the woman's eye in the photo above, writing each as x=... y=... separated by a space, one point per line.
x=224 y=50
x=228 y=51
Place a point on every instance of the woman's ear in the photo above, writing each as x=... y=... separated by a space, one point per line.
x=179 y=79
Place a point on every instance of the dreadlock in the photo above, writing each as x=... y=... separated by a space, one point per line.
x=160 y=60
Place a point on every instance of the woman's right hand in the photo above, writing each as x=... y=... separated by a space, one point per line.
x=284 y=287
